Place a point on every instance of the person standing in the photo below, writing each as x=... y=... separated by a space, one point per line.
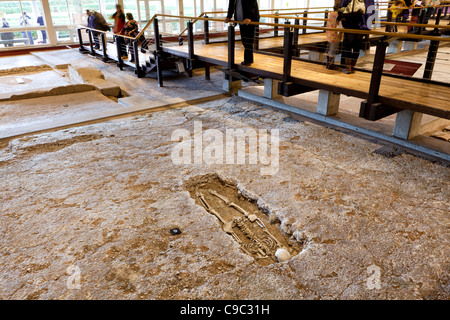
x=7 y=35
x=90 y=24
x=119 y=23
x=131 y=29
x=100 y=24
x=40 y=21
x=333 y=37
x=245 y=11
x=353 y=17
x=25 y=21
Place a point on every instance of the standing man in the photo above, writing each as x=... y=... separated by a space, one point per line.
x=40 y=21
x=6 y=35
x=90 y=24
x=25 y=21
x=245 y=11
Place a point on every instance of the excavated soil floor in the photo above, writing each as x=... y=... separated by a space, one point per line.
x=90 y=212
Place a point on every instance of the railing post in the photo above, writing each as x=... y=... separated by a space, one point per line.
x=367 y=111
x=157 y=52
x=138 y=69
x=275 y=29
x=119 y=52
x=206 y=29
x=422 y=16
x=256 y=42
x=296 y=22
x=80 y=39
x=305 y=22
x=105 y=55
x=432 y=50
x=91 y=43
x=287 y=63
x=231 y=46
x=190 y=63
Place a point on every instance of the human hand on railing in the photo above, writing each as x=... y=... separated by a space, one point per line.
x=227 y=20
x=247 y=21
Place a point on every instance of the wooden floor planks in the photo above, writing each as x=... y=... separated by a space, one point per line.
x=431 y=96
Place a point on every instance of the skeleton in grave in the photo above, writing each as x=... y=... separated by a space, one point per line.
x=261 y=247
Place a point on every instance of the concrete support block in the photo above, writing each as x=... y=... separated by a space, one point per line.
x=271 y=88
x=328 y=103
x=395 y=47
x=316 y=56
x=231 y=87
x=407 y=124
x=410 y=45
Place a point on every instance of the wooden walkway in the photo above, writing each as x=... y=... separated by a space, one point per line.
x=414 y=95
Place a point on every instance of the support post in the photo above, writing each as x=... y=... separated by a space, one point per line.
x=432 y=50
x=91 y=43
x=368 y=107
x=305 y=22
x=407 y=124
x=256 y=42
x=190 y=66
x=105 y=55
x=207 y=71
x=138 y=69
x=287 y=63
x=230 y=84
x=271 y=88
x=295 y=44
x=326 y=18
x=431 y=59
x=80 y=39
x=286 y=87
x=206 y=30
x=158 y=52
x=275 y=29
x=231 y=46
x=328 y=103
x=119 y=52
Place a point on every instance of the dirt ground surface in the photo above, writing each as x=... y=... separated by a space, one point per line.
x=87 y=212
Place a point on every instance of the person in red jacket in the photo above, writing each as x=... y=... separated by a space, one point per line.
x=119 y=23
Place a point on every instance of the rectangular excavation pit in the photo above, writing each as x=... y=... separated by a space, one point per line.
x=258 y=233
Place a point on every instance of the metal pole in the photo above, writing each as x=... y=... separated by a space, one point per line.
x=190 y=47
x=91 y=43
x=157 y=52
x=366 y=110
x=231 y=45
x=119 y=52
x=80 y=39
x=287 y=63
x=206 y=29
x=105 y=55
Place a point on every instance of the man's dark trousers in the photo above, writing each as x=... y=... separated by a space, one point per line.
x=248 y=39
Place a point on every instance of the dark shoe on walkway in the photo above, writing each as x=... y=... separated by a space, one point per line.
x=245 y=63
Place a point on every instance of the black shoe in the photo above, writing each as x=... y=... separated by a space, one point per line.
x=245 y=63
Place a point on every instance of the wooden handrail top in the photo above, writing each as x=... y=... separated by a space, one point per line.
x=405 y=24
x=356 y=31
x=105 y=32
